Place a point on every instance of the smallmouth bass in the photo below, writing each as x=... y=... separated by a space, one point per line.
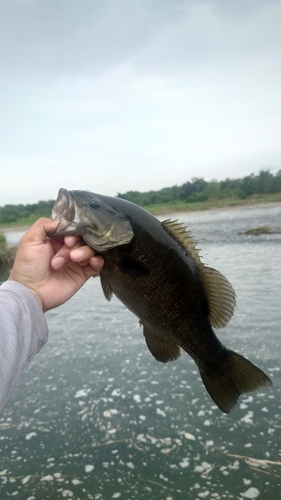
x=154 y=268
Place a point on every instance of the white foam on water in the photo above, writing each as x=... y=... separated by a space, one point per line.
x=249 y=399
x=76 y=481
x=251 y=493
x=89 y=468
x=185 y=463
x=243 y=406
x=47 y=478
x=189 y=436
x=204 y=466
x=30 y=435
x=82 y=393
x=248 y=419
x=160 y=412
x=67 y=493
x=25 y=479
x=116 y=392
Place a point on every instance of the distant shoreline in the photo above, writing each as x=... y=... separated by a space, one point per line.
x=178 y=210
x=262 y=204
x=10 y=229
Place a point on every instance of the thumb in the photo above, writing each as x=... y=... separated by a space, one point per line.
x=38 y=231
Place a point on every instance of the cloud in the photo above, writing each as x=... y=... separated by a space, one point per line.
x=136 y=95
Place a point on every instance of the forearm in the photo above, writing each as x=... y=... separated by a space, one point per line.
x=23 y=332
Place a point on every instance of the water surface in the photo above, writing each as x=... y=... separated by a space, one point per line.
x=96 y=417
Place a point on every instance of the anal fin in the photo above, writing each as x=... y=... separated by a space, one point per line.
x=162 y=350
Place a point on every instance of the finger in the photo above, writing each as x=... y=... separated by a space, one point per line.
x=38 y=231
x=58 y=261
x=81 y=253
x=61 y=257
x=96 y=263
x=90 y=271
x=71 y=241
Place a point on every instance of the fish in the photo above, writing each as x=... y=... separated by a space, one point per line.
x=155 y=270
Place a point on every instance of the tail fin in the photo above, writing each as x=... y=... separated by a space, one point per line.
x=240 y=376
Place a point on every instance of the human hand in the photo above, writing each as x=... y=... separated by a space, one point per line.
x=53 y=269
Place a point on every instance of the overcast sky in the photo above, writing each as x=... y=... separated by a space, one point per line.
x=118 y=95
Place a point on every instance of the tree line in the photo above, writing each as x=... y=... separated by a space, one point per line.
x=10 y=214
x=198 y=190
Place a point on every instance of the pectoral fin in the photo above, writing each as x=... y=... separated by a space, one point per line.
x=107 y=290
x=161 y=349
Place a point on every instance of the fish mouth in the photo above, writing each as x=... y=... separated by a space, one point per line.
x=85 y=214
x=65 y=213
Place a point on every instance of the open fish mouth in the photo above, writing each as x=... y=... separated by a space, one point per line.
x=85 y=214
x=65 y=213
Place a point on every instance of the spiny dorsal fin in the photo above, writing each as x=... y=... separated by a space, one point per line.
x=178 y=231
x=220 y=296
x=219 y=292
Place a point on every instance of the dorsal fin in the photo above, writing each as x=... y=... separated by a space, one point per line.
x=178 y=231
x=219 y=292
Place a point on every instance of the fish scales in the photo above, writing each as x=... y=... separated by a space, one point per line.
x=165 y=299
x=155 y=270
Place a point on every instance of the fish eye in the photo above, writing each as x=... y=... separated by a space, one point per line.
x=94 y=204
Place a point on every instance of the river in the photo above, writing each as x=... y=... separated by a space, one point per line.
x=96 y=417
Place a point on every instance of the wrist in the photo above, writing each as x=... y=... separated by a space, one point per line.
x=35 y=293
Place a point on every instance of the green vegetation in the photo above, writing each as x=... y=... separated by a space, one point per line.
x=7 y=255
x=19 y=215
x=198 y=194
x=261 y=230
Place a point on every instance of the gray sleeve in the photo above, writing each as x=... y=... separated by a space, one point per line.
x=23 y=332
